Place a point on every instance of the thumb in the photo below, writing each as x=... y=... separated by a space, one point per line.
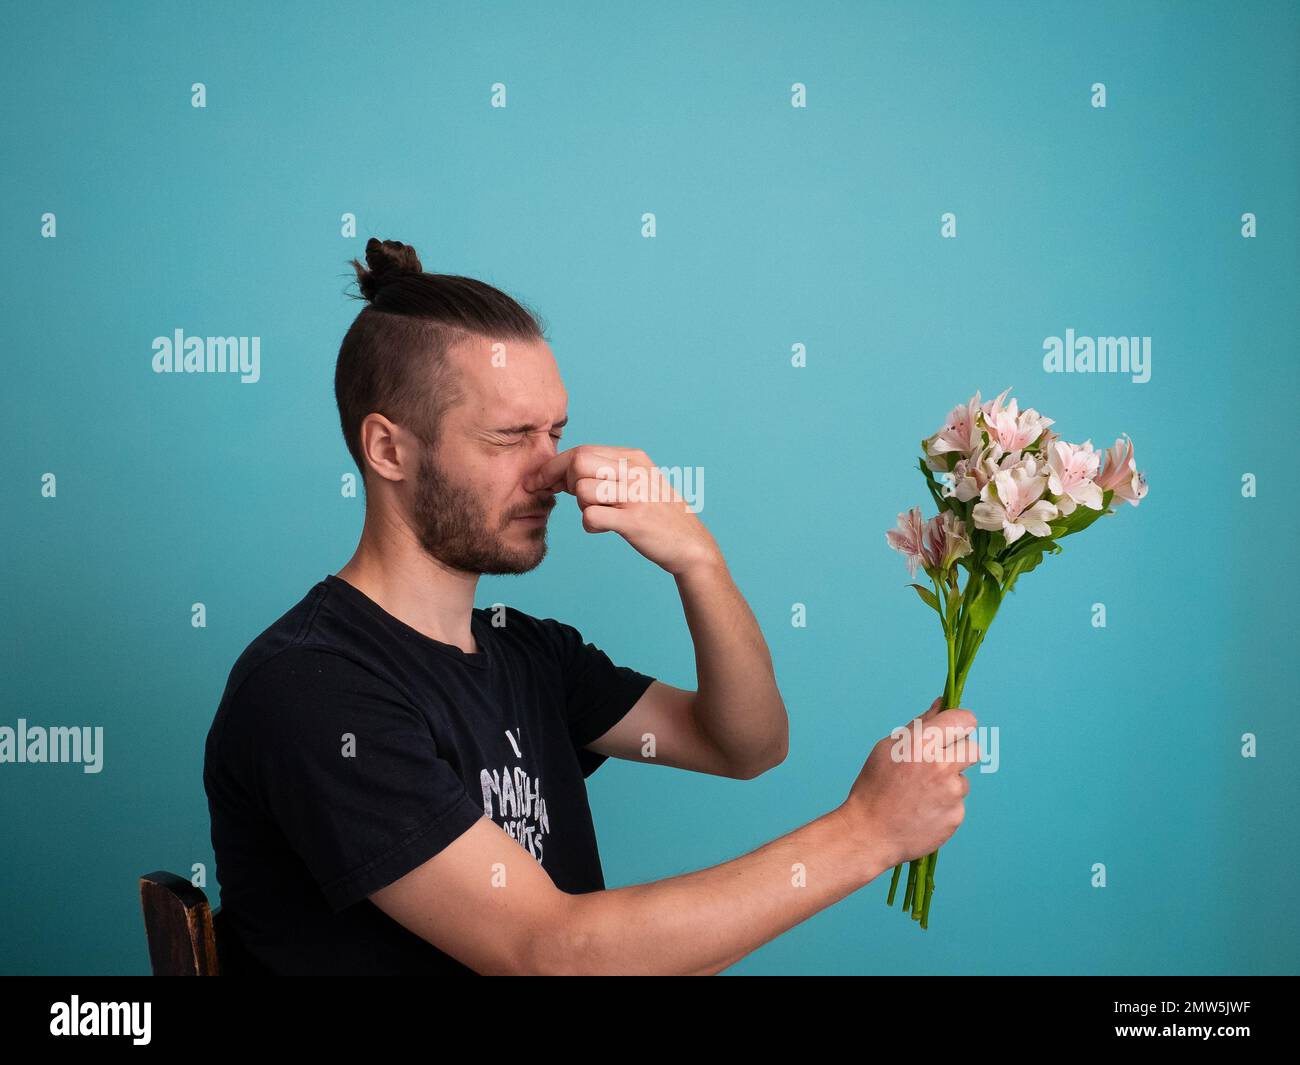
x=935 y=708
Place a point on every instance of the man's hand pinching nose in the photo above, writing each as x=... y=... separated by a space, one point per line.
x=619 y=489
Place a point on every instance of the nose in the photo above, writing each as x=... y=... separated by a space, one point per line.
x=541 y=445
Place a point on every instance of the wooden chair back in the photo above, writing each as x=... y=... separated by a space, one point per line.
x=179 y=926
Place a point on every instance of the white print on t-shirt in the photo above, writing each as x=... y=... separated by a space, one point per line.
x=511 y=738
x=514 y=800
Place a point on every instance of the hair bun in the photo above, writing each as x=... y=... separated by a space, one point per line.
x=387 y=259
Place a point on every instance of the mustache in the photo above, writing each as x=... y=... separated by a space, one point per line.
x=544 y=505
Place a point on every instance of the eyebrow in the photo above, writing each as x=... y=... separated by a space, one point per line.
x=533 y=428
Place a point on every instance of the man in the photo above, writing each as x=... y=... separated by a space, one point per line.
x=396 y=779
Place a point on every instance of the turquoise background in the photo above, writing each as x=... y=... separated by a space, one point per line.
x=776 y=226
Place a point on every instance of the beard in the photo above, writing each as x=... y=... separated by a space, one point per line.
x=453 y=526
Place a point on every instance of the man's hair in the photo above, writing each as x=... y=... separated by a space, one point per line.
x=393 y=359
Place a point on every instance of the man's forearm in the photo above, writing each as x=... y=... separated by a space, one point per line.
x=701 y=922
x=738 y=705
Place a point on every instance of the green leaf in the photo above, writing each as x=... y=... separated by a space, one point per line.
x=1076 y=521
x=929 y=480
x=936 y=487
x=1028 y=558
x=1080 y=518
x=986 y=602
x=993 y=568
x=954 y=598
x=928 y=598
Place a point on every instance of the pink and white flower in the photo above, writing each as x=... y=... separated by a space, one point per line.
x=961 y=434
x=994 y=406
x=1011 y=427
x=1071 y=472
x=1013 y=504
x=970 y=475
x=1120 y=473
x=945 y=541
x=908 y=538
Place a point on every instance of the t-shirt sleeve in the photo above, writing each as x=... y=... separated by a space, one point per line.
x=598 y=693
x=348 y=771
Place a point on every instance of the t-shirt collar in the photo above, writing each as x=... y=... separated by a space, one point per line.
x=354 y=595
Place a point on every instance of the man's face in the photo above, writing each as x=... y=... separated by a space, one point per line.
x=469 y=507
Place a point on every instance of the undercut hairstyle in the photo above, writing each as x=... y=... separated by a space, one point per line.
x=393 y=359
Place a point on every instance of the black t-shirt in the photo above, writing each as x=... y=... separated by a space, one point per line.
x=349 y=748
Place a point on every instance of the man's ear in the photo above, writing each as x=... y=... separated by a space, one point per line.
x=386 y=453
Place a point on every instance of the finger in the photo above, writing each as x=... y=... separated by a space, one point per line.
x=935 y=707
x=963 y=750
x=563 y=470
x=950 y=743
x=965 y=757
x=596 y=519
x=551 y=474
x=956 y=718
x=596 y=490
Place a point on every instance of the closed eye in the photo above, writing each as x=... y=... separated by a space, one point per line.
x=519 y=438
x=520 y=432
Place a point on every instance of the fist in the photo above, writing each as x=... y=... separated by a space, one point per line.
x=906 y=804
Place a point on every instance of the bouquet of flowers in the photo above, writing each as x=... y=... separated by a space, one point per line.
x=1008 y=491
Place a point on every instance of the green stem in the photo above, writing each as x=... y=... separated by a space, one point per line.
x=959 y=635
x=942 y=598
x=970 y=659
x=929 y=889
x=963 y=642
x=952 y=697
x=952 y=637
x=951 y=683
x=968 y=597
x=918 y=892
x=893 y=884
